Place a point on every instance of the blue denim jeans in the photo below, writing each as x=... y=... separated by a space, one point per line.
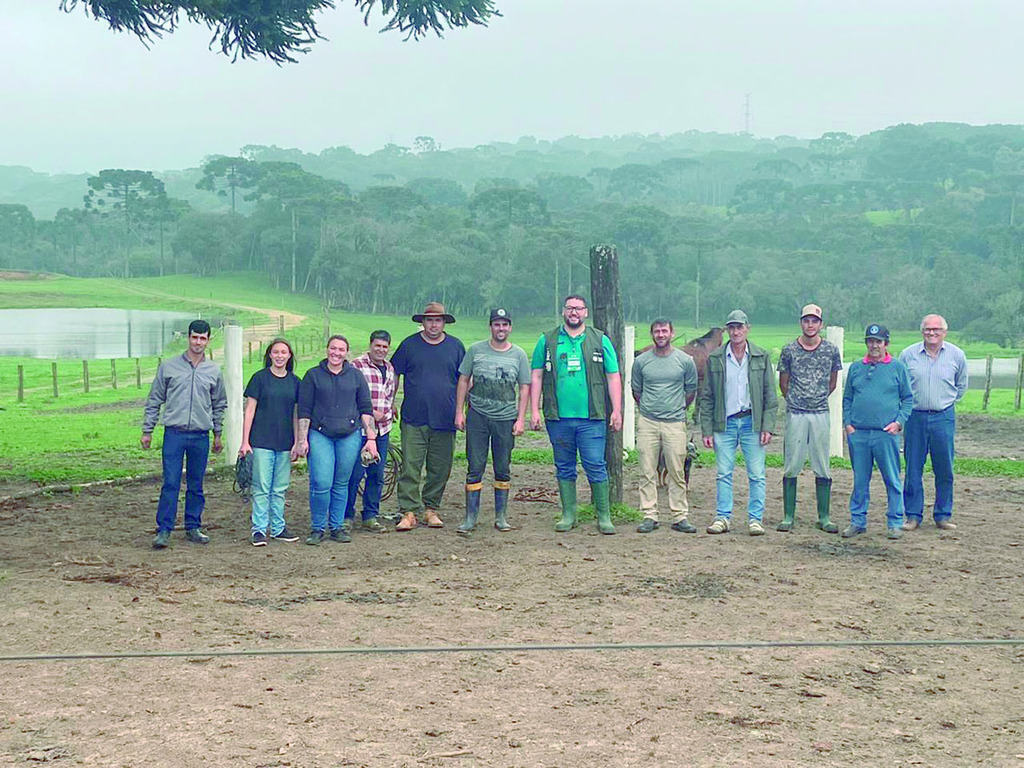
x=194 y=449
x=739 y=434
x=271 y=472
x=867 y=448
x=374 y=481
x=585 y=436
x=330 y=464
x=929 y=433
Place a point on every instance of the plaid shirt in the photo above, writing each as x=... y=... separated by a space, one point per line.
x=382 y=389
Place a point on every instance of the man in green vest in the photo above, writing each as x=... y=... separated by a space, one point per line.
x=577 y=372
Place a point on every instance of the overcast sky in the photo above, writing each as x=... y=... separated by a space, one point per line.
x=79 y=98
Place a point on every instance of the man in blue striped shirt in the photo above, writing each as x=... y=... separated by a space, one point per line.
x=938 y=375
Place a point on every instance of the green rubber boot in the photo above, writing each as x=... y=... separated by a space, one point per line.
x=500 y=506
x=602 y=507
x=788 y=504
x=472 y=510
x=823 y=491
x=567 y=493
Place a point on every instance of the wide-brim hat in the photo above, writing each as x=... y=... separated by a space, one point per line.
x=433 y=309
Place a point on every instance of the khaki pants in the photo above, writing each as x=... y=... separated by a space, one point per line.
x=668 y=438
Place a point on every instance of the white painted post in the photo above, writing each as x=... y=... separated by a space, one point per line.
x=837 y=436
x=232 y=435
x=629 y=405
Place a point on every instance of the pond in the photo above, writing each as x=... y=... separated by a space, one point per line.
x=88 y=333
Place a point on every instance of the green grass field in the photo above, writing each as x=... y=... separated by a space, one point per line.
x=79 y=437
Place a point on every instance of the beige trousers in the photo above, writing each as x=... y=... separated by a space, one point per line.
x=654 y=438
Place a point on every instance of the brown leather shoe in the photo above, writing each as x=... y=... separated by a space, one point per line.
x=912 y=524
x=945 y=525
x=431 y=519
x=407 y=523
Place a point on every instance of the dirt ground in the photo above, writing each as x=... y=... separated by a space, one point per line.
x=78 y=575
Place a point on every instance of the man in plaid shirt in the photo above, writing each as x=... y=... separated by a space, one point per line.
x=380 y=375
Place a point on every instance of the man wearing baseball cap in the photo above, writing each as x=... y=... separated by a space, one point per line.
x=495 y=373
x=808 y=371
x=737 y=412
x=877 y=401
x=428 y=363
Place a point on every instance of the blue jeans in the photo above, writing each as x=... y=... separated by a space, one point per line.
x=867 y=448
x=929 y=432
x=194 y=449
x=739 y=434
x=586 y=436
x=271 y=472
x=374 y=481
x=330 y=464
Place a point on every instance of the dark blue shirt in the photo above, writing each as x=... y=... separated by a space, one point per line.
x=429 y=373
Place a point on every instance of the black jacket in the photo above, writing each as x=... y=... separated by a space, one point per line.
x=334 y=402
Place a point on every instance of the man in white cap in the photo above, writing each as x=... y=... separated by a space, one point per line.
x=808 y=371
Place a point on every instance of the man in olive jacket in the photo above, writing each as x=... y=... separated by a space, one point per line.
x=737 y=410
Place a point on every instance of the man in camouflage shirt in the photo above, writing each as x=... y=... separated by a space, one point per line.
x=808 y=371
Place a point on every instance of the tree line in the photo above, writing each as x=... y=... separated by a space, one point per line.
x=885 y=226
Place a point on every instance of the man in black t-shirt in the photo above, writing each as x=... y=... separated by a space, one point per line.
x=428 y=364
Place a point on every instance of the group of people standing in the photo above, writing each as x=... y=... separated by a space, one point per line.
x=340 y=415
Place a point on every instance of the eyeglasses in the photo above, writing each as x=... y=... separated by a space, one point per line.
x=934 y=331
x=575 y=309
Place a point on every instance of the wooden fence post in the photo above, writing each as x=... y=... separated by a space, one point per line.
x=21 y=383
x=138 y=374
x=988 y=382
x=607 y=303
x=1020 y=382
x=280 y=324
x=250 y=352
x=85 y=376
x=113 y=374
x=53 y=370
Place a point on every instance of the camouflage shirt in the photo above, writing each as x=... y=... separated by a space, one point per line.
x=809 y=373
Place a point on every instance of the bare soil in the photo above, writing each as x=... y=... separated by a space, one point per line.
x=78 y=575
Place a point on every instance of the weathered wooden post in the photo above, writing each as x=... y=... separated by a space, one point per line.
x=233 y=384
x=138 y=374
x=607 y=313
x=327 y=323
x=629 y=404
x=988 y=382
x=1020 y=382
x=53 y=371
x=280 y=322
x=250 y=351
x=21 y=383
x=113 y=373
x=836 y=433
x=85 y=376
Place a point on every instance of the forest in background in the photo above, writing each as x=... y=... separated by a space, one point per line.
x=882 y=227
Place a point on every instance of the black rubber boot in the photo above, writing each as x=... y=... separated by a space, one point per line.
x=823 y=491
x=602 y=507
x=501 y=505
x=788 y=504
x=567 y=493
x=472 y=510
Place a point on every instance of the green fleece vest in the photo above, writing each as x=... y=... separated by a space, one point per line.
x=597 y=384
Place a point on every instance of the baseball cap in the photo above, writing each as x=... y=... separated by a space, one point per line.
x=876 y=331
x=499 y=314
x=810 y=309
x=737 y=316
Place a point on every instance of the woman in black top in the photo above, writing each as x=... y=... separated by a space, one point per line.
x=270 y=431
x=333 y=400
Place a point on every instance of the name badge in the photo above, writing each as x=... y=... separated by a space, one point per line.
x=573 y=363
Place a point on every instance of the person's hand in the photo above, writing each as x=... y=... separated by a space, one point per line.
x=517 y=428
x=371 y=448
x=850 y=429
x=218 y=444
x=766 y=437
x=535 y=422
x=893 y=428
x=293 y=454
x=244 y=449
x=460 y=421
x=709 y=442
x=302 y=448
x=615 y=422
x=146 y=440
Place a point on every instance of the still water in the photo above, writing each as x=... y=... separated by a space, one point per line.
x=88 y=333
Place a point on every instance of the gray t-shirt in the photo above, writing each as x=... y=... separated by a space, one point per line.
x=809 y=374
x=662 y=384
x=496 y=379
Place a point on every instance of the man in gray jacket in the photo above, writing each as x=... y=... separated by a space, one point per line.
x=737 y=411
x=190 y=389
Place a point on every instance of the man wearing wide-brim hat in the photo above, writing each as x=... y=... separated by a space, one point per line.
x=428 y=365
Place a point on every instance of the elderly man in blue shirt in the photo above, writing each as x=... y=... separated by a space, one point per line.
x=938 y=375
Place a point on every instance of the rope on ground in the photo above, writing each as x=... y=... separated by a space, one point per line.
x=525 y=648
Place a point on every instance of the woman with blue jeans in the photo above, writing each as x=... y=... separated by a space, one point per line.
x=334 y=399
x=270 y=430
